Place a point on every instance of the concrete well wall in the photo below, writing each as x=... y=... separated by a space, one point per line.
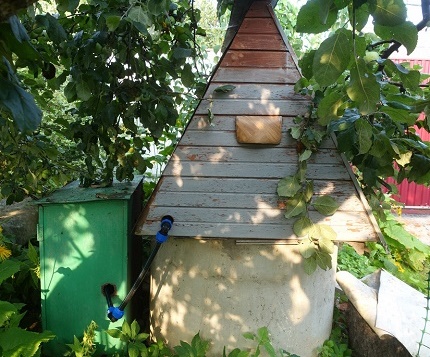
x=222 y=290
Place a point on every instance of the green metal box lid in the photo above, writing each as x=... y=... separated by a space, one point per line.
x=72 y=192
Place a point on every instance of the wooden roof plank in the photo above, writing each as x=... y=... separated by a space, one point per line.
x=253 y=170
x=212 y=138
x=258 y=25
x=236 y=201
x=254 y=91
x=283 y=231
x=234 y=75
x=249 y=186
x=251 y=154
x=257 y=59
x=253 y=107
x=200 y=123
x=270 y=42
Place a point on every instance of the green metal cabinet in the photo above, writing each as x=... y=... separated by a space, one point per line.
x=86 y=241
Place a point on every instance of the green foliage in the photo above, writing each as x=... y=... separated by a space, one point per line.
x=357 y=264
x=19 y=277
x=408 y=258
x=15 y=339
x=135 y=341
x=367 y=100
x=405 y=256
x=337 y=344
x=121 y=76
x=316 y=240
x=86 y=347
x=197 y=348
x=263 y=343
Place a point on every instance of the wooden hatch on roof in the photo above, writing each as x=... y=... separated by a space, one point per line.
x=217 y=185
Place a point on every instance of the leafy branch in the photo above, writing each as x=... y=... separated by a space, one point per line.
x=296 y=192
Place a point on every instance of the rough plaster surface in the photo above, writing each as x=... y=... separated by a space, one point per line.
x=222 y=290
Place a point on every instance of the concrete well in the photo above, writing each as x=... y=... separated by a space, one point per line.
x=222 y=290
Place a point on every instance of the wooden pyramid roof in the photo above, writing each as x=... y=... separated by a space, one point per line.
x=215 y=187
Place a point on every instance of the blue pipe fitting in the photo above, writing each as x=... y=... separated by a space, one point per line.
x=166 y=225
x=115 y=313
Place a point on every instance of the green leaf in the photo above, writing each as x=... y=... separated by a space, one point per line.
x=361 y=16
x=125 y=328
x=326 y=245
x=363 y=88
x=21 y=105
x=16 y=342
x=140 y=19
x=310 y=265
x=115 y=333
x=18 y=29
x=199 y=345
x=405 y=33
x=308 y=190
x=135 y=328
x=326 y=205
x=112 y=22
x=157 y=7
x=67 y=5
x=296 y=132
x=400 y=116
x=305 y=155
x=302 y=226
x=329 y=108
x=307 y=248
x=142 y=337
x=32 y=254
x=83 y=90
x=295 y=207
x=249 y=335
x=364 y=134
x=225 y=88
x=8 y=268
x=288 y=186
x=411 y=80
x=187 y=76
x=420 y=168
x=306 y=63
x=7 y=310
x=24 y=50
x=54 y=29
x=332 y=57
x=388 y=12
x=323 y=260
x=322 y=231
x=310 y=16
x=70 y=91
x=133 y=350
x=179 y=52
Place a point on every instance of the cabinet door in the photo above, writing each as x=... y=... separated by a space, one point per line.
x=82 y=247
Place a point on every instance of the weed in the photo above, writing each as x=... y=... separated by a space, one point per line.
x=86 y=347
